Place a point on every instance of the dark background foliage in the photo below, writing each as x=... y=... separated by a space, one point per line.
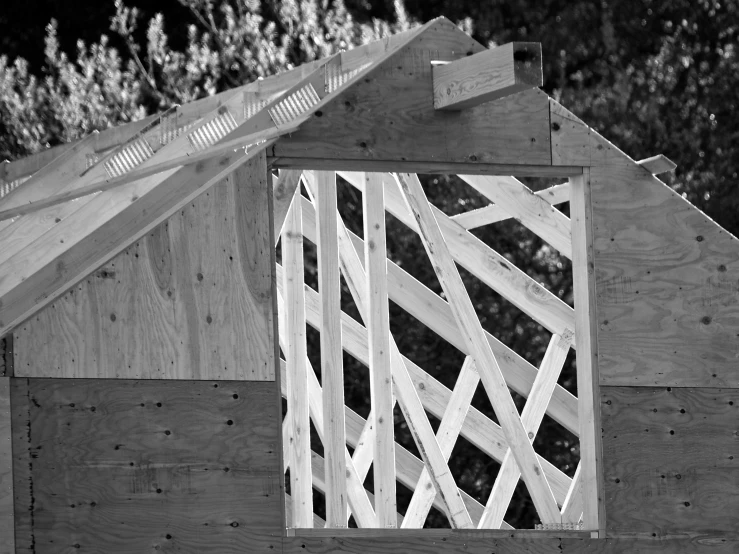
x=652 y=76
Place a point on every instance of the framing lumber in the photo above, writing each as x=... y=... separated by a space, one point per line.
x=583 y=278
x=421 y=166
x=451 y=424
x=572 y=506
x=533 y=413
x=488 y=75
x=539 y=216
x=491 y=376
x=483 y=262
x=658 y=164
x=296 y=352
x=480 y=430
x=358 y=499
x=416 y=419
x=434 y=312
x=493 y=213
x=378 y=328
x=408 y=466
x=147 y=170
x=332 y=372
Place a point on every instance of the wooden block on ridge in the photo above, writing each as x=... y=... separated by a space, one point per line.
x=487 y=75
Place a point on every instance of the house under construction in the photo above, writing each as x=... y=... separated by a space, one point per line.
x=151 y=336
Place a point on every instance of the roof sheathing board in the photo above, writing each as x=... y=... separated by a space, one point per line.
x=388 y=115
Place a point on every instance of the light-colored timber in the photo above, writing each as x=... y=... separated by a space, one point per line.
x=144 y=400
x=487 y=75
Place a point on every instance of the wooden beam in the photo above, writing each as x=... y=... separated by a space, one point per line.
x=318 y=522
x=583 y=277
x=479 y=429
x=434 y=312
x=296 y=352
x=572 y=506
x=493 y=213
x=52 y=178
x=358 y=500
x=416 y=419
x=283 y=192
x=658 y=164
x=487 y=76
x=451 y=424
x=332 y=371
x=486 y=264
x=422 y=166
x=532 y=211
x=408 y=466
x=533 y=413
x=490 y=374
x=378 y=327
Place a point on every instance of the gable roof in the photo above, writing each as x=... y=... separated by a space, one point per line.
x=371 y=108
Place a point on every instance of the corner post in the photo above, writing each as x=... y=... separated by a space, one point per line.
x=588 y=386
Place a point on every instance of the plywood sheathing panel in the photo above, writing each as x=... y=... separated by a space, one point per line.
x=667 y=280
x=22 y=463
x=683 y=543
x=138 y=466
x=390 y=115
x=570 y=137
x=671 y=460
x=7 y=542
x=191 y=300
x=427 y=541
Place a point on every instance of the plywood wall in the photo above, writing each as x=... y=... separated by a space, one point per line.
x=667 y=283
x=122 y=466
x=192 y=300
x=667 y=294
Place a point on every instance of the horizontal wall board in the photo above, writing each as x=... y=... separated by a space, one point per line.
x=671 y=460
x=667 y=282
x=451 y=543
x=191 y=300
x=135 y=466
